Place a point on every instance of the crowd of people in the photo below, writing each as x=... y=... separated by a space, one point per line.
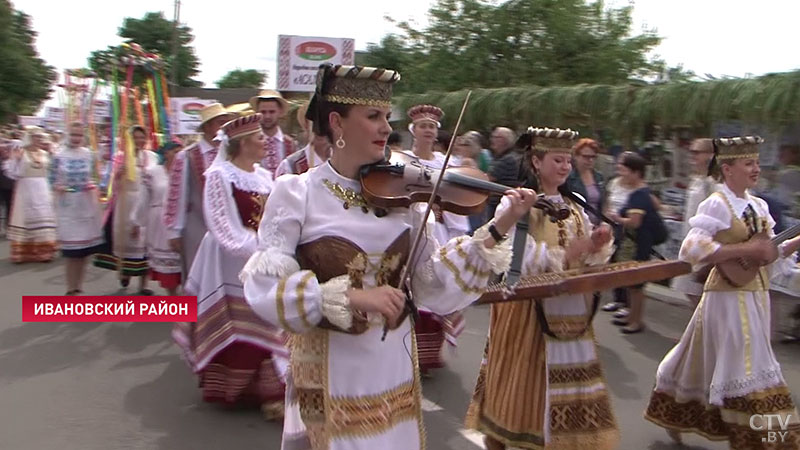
x=302 y=306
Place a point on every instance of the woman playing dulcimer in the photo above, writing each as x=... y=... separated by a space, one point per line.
x=541 y=385
x=723 y=370
x=327 y=268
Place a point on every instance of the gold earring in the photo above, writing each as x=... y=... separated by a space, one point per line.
x=340 y=142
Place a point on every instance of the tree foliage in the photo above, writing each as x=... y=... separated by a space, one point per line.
x=239 y=78
x=628 y=108
x=477 y=43
x=155 y=34
x=25 y=79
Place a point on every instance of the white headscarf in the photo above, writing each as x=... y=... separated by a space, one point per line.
x=222 y=151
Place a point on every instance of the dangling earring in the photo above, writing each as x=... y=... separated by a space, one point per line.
x=340 y=142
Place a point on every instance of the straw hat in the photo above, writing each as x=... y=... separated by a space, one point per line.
x=212 y=111
x=240 y=109
x=268 y=94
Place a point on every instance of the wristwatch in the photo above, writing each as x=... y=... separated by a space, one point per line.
x=496 y=234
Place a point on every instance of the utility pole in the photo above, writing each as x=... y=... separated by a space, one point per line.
x=176 y=18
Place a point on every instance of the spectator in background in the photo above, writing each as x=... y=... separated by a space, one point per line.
x=584 y=179
x=484 y=158
x=505 y=165
x=640 y=217
x=702 y=185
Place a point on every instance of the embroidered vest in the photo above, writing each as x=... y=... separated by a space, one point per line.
x=737 y=233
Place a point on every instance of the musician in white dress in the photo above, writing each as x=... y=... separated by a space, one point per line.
x=433 y=330
x=324 y=271
x=723 y=370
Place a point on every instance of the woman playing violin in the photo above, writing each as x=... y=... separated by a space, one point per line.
x=327 y=271
x=541 y=385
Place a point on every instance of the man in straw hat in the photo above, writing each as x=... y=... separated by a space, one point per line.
x=183 y=214
x=316 y=152
x=272 y=107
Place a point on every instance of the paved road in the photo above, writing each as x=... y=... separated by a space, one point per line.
x=123 y=386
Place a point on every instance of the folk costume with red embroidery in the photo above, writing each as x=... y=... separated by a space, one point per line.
x=272 y=107
x=314 y=154
x=238 y=358
x=183 y=211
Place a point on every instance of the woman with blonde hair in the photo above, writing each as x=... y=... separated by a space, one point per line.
x=32 y=225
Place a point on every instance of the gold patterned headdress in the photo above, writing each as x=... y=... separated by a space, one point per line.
x=552 y=139
x=737 y=147
x=350 y=85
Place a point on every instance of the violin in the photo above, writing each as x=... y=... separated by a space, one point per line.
x=403 y=180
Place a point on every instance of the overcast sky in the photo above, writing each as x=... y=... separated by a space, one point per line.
x=720 y=37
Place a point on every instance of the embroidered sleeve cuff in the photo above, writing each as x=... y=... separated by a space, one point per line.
x=270 y=261
x=499 y=256
x=335 y=304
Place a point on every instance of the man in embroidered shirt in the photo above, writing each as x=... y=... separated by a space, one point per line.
x=183 y=215
x=315 y=153
x=272 y=107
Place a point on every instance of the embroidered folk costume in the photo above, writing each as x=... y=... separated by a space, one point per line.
x=278 y=146
x=239 y=358
x=164 y=263
x=32 y=225
x=544 y=388
x=346 y=389
x=77 y=204
x=122 y=251
x=183 y=213
x=723 y=369
x=307 y=158
x=431 y=329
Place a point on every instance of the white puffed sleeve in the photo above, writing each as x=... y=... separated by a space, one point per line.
x=223 y=219
x=274 y=286
x=712 y=216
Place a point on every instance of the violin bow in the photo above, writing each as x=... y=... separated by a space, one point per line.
x=409 y=266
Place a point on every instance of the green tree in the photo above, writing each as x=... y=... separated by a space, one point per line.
x=478 y=43
x=239 y=78
x=25 y=80
x=155 y=34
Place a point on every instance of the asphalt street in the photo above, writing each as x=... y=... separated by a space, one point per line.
x=109 y=386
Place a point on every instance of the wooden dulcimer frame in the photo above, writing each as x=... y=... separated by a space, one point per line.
x=584 y=280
